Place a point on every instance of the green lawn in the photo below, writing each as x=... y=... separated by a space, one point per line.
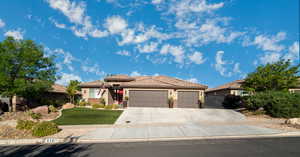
x=78 y=116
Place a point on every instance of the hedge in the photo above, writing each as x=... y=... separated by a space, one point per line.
x=275 y=103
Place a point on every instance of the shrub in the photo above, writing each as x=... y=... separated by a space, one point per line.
x=44 y=129
x=254 y=102
x=52 y=108
x=25 y=124
x=275 y=103
x=115 y=106
x=171 y=102
x=102 y=101
x=82 y=103
x=108 y=107
x=232 y=102
x=35 y=116
x=97 y=106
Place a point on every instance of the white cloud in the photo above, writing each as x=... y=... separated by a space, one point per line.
x=92 y=69
x=270 y=43
x=236 y=68
x=270 y=57
x=16 y=34
x=211 y=31
x=293 y=53
x=226 y=68
x=219 y=66
x=66 y=78
x=75 y=12
x=58 y=25
x=197 y=58
x=2 y=23
x=176 y=51
x=65 y=58
x=123 y=53
x=183 y=7
x=193 y=80
x=148 y=48
x=141 y=34
x=157 y=1
x=115 y=24
x=135 y=73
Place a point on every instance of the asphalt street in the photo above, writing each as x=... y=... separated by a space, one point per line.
x=273 y=147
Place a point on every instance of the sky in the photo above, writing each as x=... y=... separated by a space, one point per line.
x=210 y=42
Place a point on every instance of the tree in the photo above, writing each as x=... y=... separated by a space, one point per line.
x=279 y=76
x=72 y=89
x=24 y=69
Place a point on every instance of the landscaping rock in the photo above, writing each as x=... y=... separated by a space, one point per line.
x=68 y=106
x=41 y=109
x=293 y=121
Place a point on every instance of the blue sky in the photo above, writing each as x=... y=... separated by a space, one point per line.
x=206 y=41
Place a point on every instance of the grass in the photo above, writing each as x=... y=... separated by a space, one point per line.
x=80 y=116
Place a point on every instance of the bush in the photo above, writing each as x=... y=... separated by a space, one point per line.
x=82 y=103
x=102 y=101
x=275 y=103
x=25 y=124
x=44 y=129
x=35 y=116
x=97 y=106
x=52 y=108
x=108 y=107
x=115 y=106
x=232 y=102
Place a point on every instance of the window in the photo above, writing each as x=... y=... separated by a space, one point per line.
x=94 y=93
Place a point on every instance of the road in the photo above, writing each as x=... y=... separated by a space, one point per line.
x=281 y=147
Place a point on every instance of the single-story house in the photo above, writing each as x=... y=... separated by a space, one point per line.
x=214 y=97
x=144 y=91
x=57 y=95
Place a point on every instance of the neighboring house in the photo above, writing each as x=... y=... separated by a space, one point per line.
x=214 y=97
x=296 y=89
x=56 y=96
x=144 y=91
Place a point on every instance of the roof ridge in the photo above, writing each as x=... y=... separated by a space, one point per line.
x=163 y=81
x=181 y=80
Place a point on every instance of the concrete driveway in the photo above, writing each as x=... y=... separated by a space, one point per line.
x=152 y=123
x=177 y=115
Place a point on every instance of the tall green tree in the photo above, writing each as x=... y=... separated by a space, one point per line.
x=24 y=69
x=72 y=90
x=278 y=76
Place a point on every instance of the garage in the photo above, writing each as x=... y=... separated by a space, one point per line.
x=188 y=99
x=148 y=98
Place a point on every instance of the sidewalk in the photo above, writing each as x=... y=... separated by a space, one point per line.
x=157 y=132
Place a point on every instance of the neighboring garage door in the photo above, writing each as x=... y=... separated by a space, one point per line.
x=148 y=98
x=188 y=99
x=214 y=101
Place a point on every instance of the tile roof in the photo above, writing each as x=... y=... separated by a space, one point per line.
x=56 y=88
x=231 y=85
x=121 y=78
x=97 y=83
x=149 y=82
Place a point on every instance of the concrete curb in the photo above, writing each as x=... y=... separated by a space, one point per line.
x=78 y=140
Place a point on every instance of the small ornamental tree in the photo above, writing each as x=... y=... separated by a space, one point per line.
x=24 y=69
x=279 y=76
x=72 y=89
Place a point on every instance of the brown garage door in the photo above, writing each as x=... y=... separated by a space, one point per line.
x=148 y=98
x=188 y=99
